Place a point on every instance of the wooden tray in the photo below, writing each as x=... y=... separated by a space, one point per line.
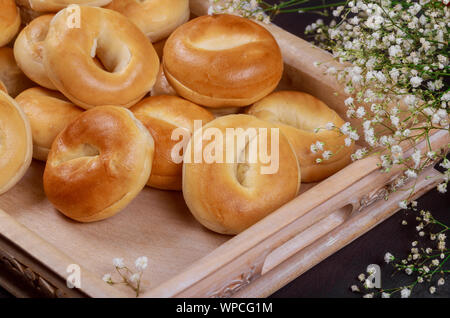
x=37 y=244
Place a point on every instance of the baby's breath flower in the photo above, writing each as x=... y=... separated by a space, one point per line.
x=107 y=278
x=327 y=154
x=354 y=288
x=403 y=204
x=405 y=293
x=141 y=263
x=118 y=262
x=388 y=257
x=361 y=277
x=442 y=187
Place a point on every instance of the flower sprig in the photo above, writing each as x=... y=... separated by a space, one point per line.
x=398 y=76
x=423 y=262
x=127 y=276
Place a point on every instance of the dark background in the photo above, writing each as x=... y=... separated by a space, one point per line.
x=334 y=276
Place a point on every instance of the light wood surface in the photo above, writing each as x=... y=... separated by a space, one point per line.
x=185 y=259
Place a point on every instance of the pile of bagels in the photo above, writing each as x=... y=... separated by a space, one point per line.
x=95 y=89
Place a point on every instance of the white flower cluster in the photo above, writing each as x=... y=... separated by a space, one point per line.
x=128 y=277
x=398 y=78
x=423 y=262
x=245 y=8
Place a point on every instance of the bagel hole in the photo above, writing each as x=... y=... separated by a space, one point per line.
x=110 y=54
x=243 y=167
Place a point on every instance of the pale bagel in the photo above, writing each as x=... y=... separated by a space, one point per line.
x=11 y=75
x=9 y=21
x=16 y=145
x=98 y=164
x=49 y=113
x=129 y=59
x=230 y=197
x=298 y=115
x=155 y=18
x=222 y=61
x=28 y=50
x=162 y=115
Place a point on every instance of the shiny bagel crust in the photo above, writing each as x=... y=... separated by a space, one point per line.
x=298 y=114
x=98 y=164
x=162 y=115
x=129 y=59
x=222 y=61
x=16 y=145
x=11 y=75
x=155 y=18
x=49 y=113
x=9 y=21
x=28 y=50
x=56 y=5
x=230 y=197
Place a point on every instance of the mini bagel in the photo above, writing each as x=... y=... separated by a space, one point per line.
x=49 y=113
x=130 y=61
x=98 y=164
x=16 y=145
x=9 y=21
x=155 y=18
x=298 y=115
x=11 y=75
x=56 y=5
x=230 y=197
x=28 y=50
x=162 y=115
x=222 y=61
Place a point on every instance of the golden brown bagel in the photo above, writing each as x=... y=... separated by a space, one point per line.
x=28 y=50
x=298 y=115
x=9 y=21
x=56 y=5
x=16 y=145
x=222 y=60
x=156 y=18
x=98 y=164
x=162 y=115
x=49 y=113
x=130 y=62
x=230 y=197
x=11 y=75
